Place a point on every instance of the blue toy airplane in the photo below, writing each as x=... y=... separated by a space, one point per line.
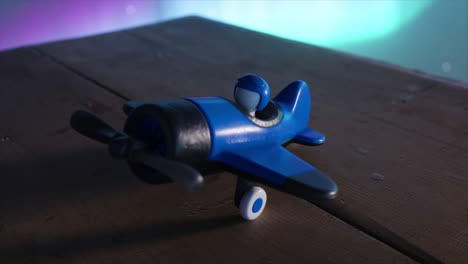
x=179 y=140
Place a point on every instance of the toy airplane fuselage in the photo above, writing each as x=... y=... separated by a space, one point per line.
x=214 y=129
x=175 y=140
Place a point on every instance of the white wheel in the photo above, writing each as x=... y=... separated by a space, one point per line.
x=252 y=203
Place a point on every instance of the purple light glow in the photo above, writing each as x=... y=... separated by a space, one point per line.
x=32 y=22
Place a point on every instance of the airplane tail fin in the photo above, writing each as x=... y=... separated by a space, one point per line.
x=295 y=100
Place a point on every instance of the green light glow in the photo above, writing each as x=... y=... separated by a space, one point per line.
x=328 y=23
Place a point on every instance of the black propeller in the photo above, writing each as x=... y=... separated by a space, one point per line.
x=121 y=146
x=92 y=127
x=178 y=172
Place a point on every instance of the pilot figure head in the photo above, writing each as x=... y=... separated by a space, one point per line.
x=251 y=93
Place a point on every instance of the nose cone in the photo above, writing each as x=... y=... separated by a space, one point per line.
x=313 y=185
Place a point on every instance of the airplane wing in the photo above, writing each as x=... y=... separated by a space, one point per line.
x=283 y=170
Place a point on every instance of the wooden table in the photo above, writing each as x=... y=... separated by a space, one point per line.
x=397 y=148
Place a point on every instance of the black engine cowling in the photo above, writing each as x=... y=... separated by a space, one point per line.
x=175 y=129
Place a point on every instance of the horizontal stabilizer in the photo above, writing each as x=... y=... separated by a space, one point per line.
x=309 y=137
x=129 y=106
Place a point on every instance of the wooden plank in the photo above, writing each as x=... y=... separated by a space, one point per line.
x=64 y=200
x=381 y=121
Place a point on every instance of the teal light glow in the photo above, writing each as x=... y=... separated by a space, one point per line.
x=327 y=23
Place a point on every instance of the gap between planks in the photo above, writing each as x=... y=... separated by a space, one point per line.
x=79 y=73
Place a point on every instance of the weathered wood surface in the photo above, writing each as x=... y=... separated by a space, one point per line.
x=397 y=147
x=64 y=200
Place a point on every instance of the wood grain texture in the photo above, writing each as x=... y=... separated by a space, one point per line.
x=63 y=200
x=397 y=140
